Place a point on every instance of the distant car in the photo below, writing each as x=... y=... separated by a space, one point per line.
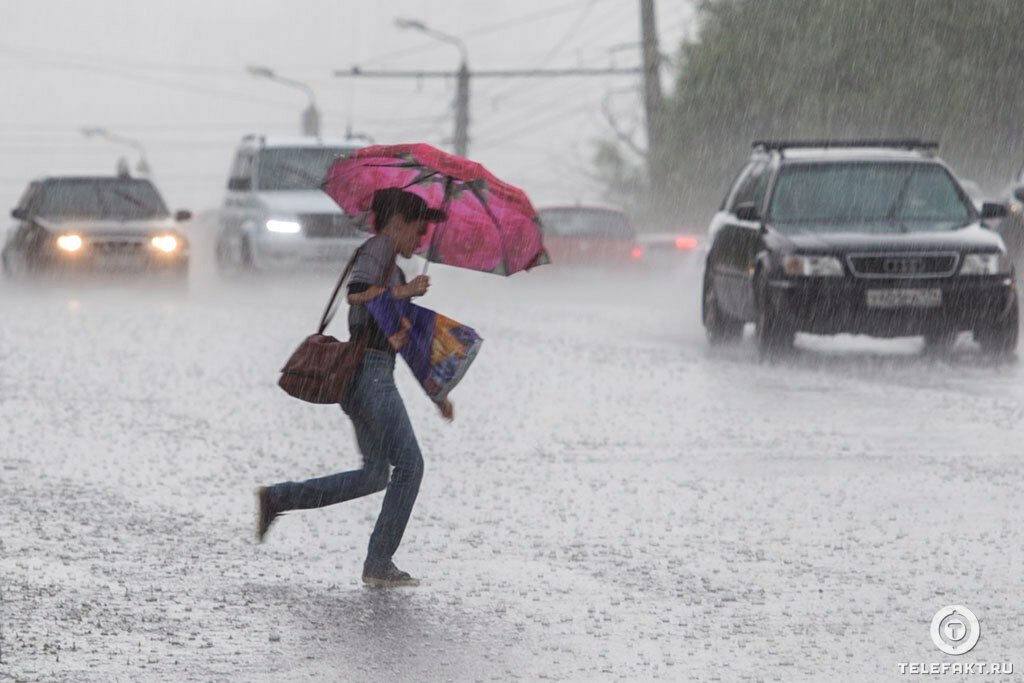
x=588 y=234
x=80 y=223
x=671 y=249
x=275 y=214
x=862 y=237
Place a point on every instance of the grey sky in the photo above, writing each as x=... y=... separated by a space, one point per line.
x=173 y=75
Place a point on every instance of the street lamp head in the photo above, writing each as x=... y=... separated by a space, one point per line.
x=417 y=25
x=414 y=24
x=91 y=131
x=261 y=71
x=310 y=117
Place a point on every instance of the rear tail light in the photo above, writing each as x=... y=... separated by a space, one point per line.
x=637 y=253
x=686 y=243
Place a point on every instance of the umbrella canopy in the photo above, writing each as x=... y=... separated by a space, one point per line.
x=491 y=225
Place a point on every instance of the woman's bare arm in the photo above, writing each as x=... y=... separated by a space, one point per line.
x=358 y=298
x=407 y=291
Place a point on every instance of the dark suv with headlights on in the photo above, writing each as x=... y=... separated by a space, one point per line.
x=864 y=237
x=95 y=223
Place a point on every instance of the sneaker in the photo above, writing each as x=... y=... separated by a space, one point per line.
x=265 y=513
x=387 y=576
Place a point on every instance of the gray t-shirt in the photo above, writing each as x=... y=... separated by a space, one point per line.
x=368 y=270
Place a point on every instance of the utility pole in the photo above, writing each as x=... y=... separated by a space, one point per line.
x=461 y=140
x=652 y=88
x=461 y=136
x=311 y=121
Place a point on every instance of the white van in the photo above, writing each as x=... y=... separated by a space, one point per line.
x=275 y=214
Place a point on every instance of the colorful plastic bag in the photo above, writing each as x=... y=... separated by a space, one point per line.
x=437 y=349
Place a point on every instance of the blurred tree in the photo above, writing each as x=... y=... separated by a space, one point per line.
x=622 y=175
x=937 y=69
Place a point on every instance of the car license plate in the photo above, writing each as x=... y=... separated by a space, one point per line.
x=120 y=261
x=904 y=298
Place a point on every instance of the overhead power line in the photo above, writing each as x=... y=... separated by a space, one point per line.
x=464 y=74
x=483 y=30
x=491 y=73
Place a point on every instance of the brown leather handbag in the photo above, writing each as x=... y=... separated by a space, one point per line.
x=321 y=368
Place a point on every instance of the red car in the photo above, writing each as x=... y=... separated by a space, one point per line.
x=589 y=234
x=669 y=250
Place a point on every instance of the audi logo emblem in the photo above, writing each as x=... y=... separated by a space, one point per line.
x=903 y=266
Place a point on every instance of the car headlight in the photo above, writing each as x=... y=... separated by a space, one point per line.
x=985 y=264
x=69 y=242
x=165 y=243
x=288 y=227
x=813 y=266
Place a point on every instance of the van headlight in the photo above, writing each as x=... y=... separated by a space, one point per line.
x=165 y=243
x=985 y=264
x=286 y=227
x=812 y=266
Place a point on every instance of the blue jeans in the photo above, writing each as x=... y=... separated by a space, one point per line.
x=385 y=437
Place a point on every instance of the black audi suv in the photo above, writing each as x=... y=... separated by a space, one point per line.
x=866 y=237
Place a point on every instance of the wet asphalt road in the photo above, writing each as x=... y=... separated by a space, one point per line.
x=615 y=500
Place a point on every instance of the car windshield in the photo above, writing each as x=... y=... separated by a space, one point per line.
x=99 y=199
x=573 y=222
x=295 y=168
x=867 y=197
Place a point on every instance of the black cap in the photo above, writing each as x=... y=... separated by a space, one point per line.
x=394 y=200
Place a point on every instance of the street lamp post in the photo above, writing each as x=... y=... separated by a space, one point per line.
x=95 y=132
x=310 y=121
x=461 y=136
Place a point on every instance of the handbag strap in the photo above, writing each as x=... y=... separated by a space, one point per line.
x=331 y=309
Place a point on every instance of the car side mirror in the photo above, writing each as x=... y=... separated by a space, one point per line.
x=241 y=184
x=747 y=212
x=19 y=214
x=1018 y=193
x=182 y=215
x=993 y=210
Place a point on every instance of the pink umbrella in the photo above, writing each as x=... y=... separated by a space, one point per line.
x=491 y=226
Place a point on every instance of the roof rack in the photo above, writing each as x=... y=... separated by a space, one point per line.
x=897 y=143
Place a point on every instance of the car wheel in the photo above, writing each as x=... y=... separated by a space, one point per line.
x=245 y=254
x=775 y=333
x=222 y=253
x=180 y=275
x=1001 y=337
x=939 y=342
x=718 y=325
x=234 y=256
x=14 y=264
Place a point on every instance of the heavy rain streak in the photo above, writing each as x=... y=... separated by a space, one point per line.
x=455 y=341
